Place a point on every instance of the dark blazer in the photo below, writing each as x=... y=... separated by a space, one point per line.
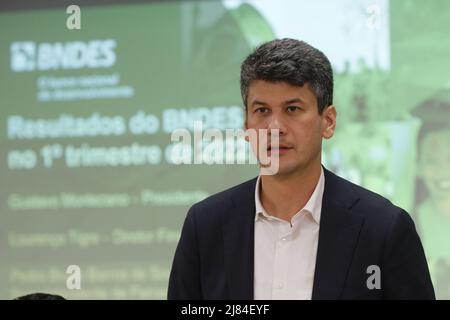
x=214 y=258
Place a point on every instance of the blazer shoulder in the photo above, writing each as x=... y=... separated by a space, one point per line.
x=368 y=203
x=382 y=219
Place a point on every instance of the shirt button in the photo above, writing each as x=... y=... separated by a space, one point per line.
x=280 y=286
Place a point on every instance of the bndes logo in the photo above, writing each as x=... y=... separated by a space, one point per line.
x=30 y=56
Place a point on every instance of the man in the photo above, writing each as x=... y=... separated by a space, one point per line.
x=303 y=233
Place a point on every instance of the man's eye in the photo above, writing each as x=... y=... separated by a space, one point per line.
x=292 y=108
x=262 y=110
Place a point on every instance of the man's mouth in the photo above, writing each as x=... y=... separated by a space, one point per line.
x=279 y=149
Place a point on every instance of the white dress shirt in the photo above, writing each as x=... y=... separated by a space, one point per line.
x=285 y=253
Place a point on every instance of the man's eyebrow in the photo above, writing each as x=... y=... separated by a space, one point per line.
x=262 y=103
x=259 y=102
x=294 y=101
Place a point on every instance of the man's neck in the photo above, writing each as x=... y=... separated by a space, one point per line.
x=284 y=195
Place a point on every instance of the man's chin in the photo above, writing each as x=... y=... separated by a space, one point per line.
x=282 y=170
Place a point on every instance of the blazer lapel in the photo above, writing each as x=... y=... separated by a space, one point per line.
x=238 y=234
x=338 y=236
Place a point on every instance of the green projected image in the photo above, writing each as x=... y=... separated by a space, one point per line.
x=88 y=173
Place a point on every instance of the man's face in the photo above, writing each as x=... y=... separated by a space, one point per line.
x=294 y=112
x=435 y=165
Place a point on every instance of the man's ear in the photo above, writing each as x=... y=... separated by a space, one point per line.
x=329 y=115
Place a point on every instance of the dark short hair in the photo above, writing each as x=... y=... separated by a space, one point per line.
x=291 y=61
x=40 y=296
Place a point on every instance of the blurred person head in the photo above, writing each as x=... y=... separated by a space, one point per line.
x=434 y=151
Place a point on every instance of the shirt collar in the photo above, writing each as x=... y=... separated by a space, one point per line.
x=313 y=206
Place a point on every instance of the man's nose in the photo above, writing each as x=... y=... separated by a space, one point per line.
x=275 y=123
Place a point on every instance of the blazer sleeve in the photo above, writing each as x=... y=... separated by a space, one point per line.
x=404 y=272
x=184 y=280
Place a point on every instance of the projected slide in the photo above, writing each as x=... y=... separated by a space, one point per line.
x=91 y=181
